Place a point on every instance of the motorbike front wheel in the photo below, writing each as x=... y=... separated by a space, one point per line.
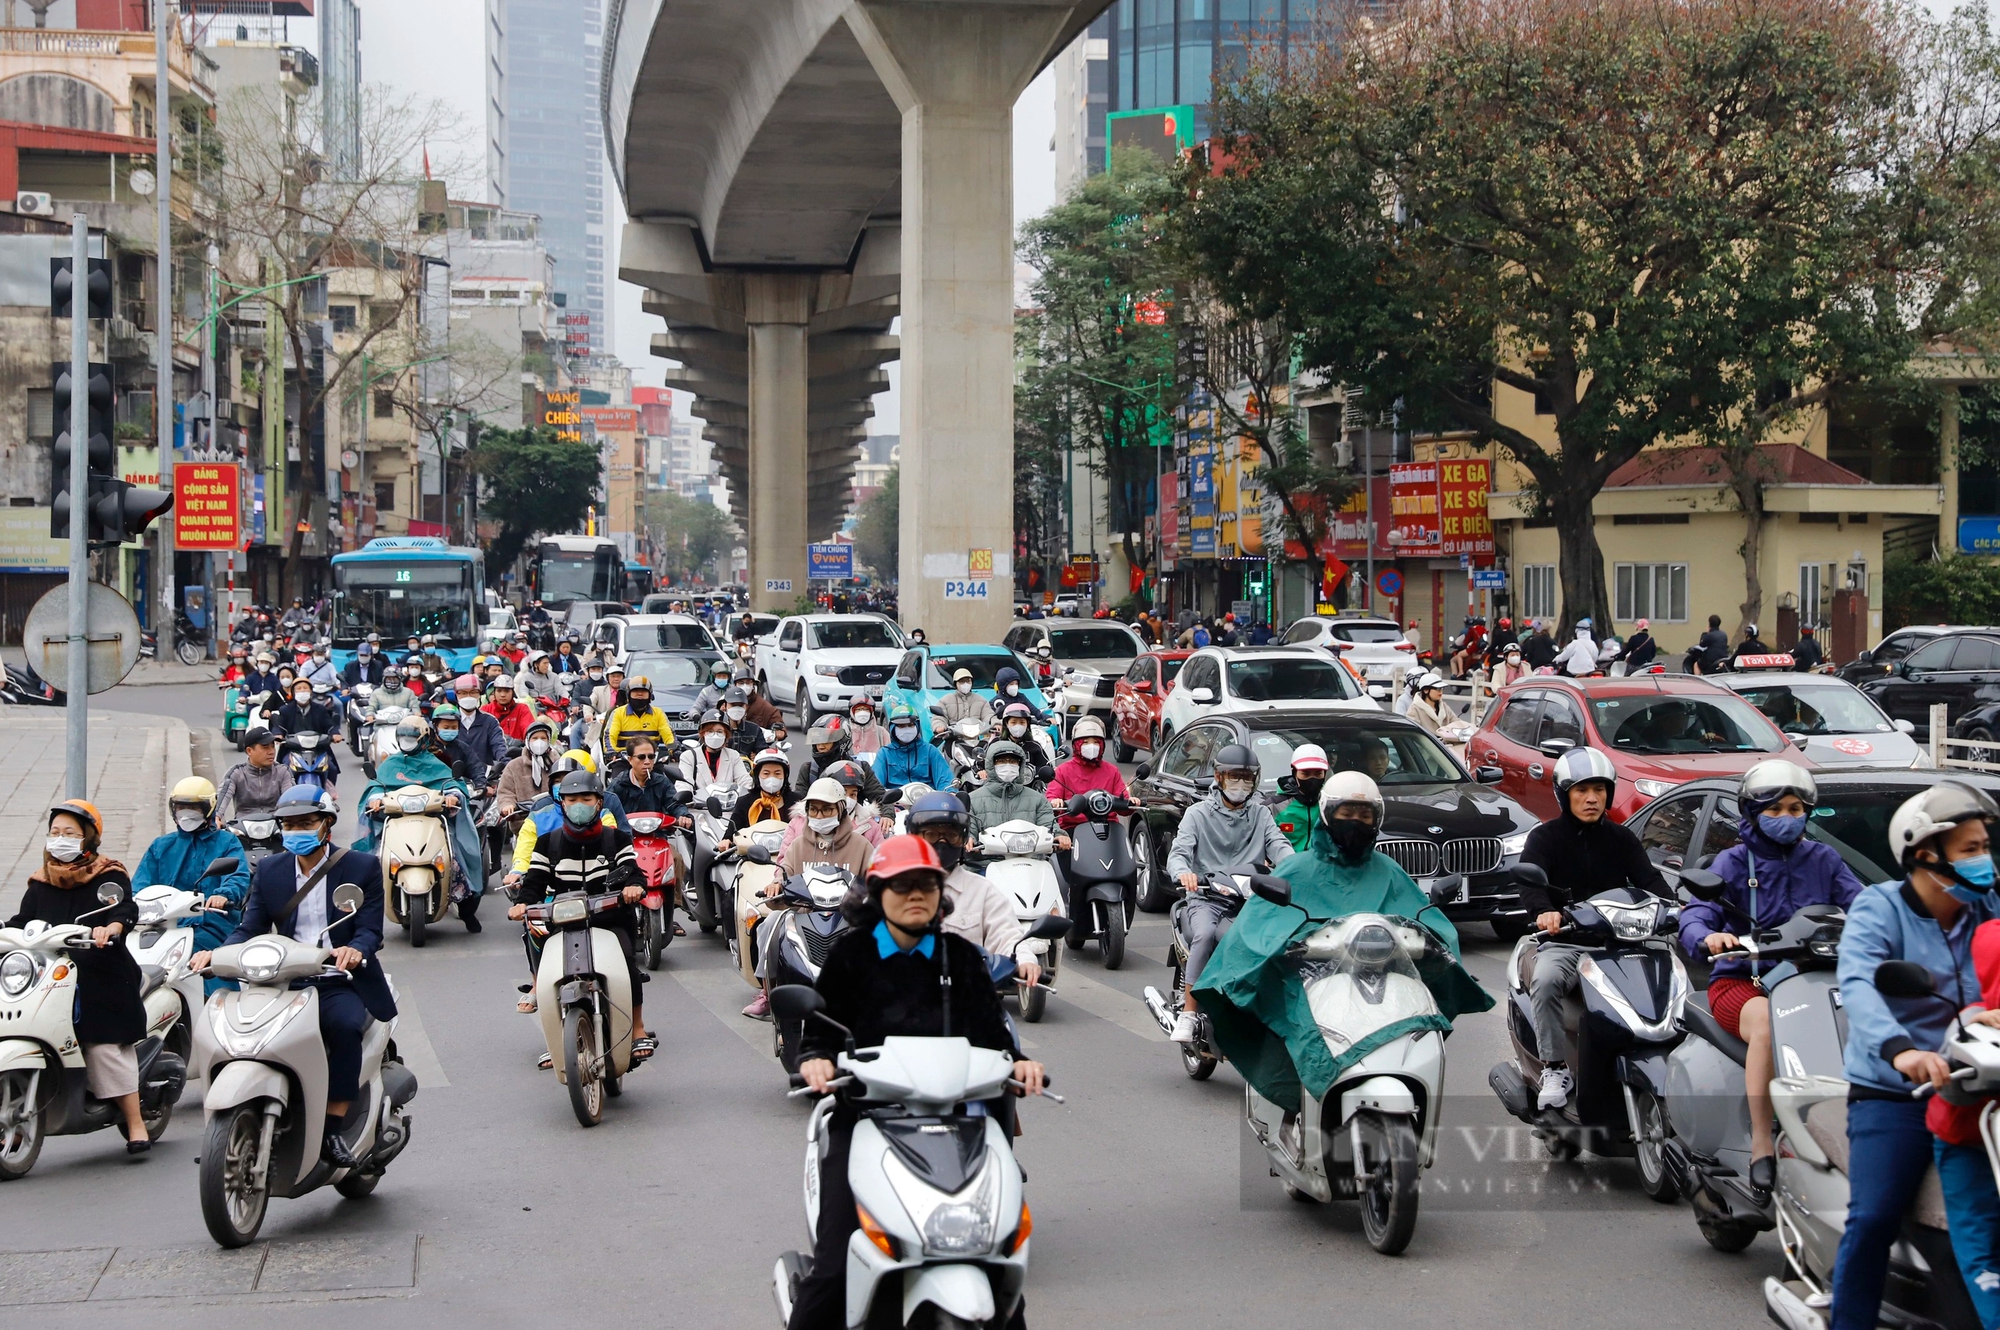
x=586 y=1092
x=1114 y=934
x=415 y=918
x=657 y=933
x=189 y=650
x=21 y=1142
x=1651 y=1129
x=1387 y=1174
x=232 y=1202
x=1034 y=1001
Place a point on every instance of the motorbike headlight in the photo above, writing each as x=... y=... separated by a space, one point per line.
x=645 y=823
x=962 y=1225
x=1631 y=923
x=1514 y=844
x=1372 y=946
x=415 y=803
x=1020 y=842
x=17 y=972
x=568 y=912
x=260 y=963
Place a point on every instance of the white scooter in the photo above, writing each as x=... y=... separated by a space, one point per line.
x=584 y=995
x=712 y=808
x=416 y=859
x=745 y=873
x=944 y=1243
x=43 y=1088
x=265 y=1061
x=164 y=942
x=1377 y=1128
x=1017 y=855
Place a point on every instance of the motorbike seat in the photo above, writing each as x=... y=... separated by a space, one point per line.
x=1826 y=1123
x=1699 y=1020
x=151 y=977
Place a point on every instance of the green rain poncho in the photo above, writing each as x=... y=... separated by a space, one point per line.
x=1256 y=1002
x=424 y=768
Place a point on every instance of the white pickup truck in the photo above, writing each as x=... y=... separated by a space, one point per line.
x=820 y=662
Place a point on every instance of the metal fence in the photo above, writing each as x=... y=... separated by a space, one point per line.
x=1961 y=754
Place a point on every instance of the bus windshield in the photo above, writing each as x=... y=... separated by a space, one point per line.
x=397 y=598
x=565 y=575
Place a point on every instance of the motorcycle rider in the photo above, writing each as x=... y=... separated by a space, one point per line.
x=1007 y=796
x=867 y=815
x=416 y=762
x=1768 y=876
x=712 y=693
x=1751 y=645
x=1017 y=719
x=586 y=855
x=292 y=893
x=644 y=787
x=262 y=677
x=761 y=710
x=1084 y=772
x=865 y=733
x=302 y=715
x=528 y=776
x=980 y=912
x=320 y=671
x=1583 y=852
x=566 y=662
x=179 y=858
x=715 y=762
x=538 y=684
x=961 y=703
x=1427 y=705
x=637 y=715
x=881 y=977
x=908 y=757
x=745 y=737
x=772 y=800
x=1641 y=648
x=393 y=693
x=1229 y=829
x=1298 y=819
x=432 y=660
x=827 y=742
x=1008 y=689
x=1579 y=658
x=366 y=667
x=513 y=717
x=1711 y=649
x=479 y=734
x=257 y=781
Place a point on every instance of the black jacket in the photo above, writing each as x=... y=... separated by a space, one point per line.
x=1749 y=646
x=658 y=795
x=275 y=881
x=315 y=719
x=1584 y=858
x=901 y=995
x=1539 y=650
x=601 y=862
x=359 y=671
x=813 y=768
x=1714 y=647
x=109 y=1009
x=1806 y=653
x=1640 y=648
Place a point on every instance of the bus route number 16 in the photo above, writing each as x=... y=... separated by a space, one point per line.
x=973 y=588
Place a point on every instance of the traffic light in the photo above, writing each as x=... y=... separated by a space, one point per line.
x=97 y=282
x=118 y=510
x=98 y=397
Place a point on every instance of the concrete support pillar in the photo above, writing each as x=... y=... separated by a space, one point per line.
x=776 y=307
x=954 y=70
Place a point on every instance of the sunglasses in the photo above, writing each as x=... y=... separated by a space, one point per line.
x=913 y=886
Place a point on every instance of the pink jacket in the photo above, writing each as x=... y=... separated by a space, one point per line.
x=1077 y=776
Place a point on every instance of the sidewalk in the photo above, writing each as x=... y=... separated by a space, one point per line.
x=147 y=673
x=134 y=761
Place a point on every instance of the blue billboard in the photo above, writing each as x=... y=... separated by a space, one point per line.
x=832 y=562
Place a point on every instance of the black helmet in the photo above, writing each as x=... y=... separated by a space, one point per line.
x=579 y=781
x=711 y=717
x=563 y=765
x=1234 y=757
x=938 y=808
x=735 y=697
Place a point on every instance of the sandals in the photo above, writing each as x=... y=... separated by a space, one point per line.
x=526 y=1006
x=643 y=1049
x=546 y=1062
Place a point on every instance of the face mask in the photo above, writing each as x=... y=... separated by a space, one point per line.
x=1353 y=839
x=736 y=713
x=447 y=735
x=1309 y=791
x=822 y=826
x=713 y=740
x=579 y=815
x=187 y=819
x=863 y=716
x=1007 y=772
x=597 y=676
x=965 y=687
x=1013 y=690
x=1017 y=729
x=1782 y=830
x=64 y=849
x=468 y=704
x=1237 y=791
x=538 y=746
x=1089 y=752
x=949 y=855
x=906 y=734
x=409 y=743
x=302 y=842
x=303 y=697
x=1974 y=878
x=771 y=784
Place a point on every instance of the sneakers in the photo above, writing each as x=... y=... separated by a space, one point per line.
x=760 y=1007
x=1184 y=1028
x=1556 y=1085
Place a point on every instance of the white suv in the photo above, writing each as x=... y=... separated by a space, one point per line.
x=1219 y=681
x=821 y=662
x=622 y=634
x=1378 y=650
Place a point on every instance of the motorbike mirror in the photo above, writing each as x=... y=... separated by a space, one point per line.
x=756 y=854
x=714 y=806
x=936 y=710
x=1288 y=783
x=347 y=898
x=222 y=867
x=461 y=770
x=1530 y=875
x=1143 y=770
x=110 y=893
x=1045 y=773
x=890 y=797
x=1701 y=884
x=1443 y=890
x=1049 y=927
x=1903 y=979
x=515 y=748
x=795 y=1002
x=1490 y=775
x=1273 y=889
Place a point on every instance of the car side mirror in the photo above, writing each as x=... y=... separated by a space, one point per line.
x=1556 y=747
x=1701 y=884
x=222 y=867
x=1377 y=691
x=1143 y=686
x=1049 y=927
x=1867 y=655
x=1201 y=696
x=1903 y=979
x=347 y=898
x=1490 y=775
x=1273 y=889
x=1906 y=727
x=1143 y=770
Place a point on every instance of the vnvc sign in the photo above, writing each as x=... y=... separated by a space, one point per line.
x=208 y=508
x=832 y=561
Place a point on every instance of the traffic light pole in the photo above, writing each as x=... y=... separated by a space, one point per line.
x=77 y=748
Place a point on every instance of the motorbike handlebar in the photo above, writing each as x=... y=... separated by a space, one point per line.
x=834 y=1084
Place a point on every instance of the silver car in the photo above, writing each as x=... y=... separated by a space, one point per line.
x=1828 y=719
x=1090 y=657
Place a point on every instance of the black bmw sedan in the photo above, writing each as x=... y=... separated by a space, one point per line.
x=1442 y=824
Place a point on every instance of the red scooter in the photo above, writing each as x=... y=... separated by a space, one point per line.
x=653 y=846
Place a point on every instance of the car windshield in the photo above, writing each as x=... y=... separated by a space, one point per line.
x=1171 y=669
x=1854 y=821
x=1651 y=723
x=1290 y=679
x=1824 y=708
x=983 y=667
x=666 y=637
x=1366 y=632
x=688 y=671
x=855 y=634
x=1092 y=644
x=1391 y=754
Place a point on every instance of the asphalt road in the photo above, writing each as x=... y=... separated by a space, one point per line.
x=1150 y=1207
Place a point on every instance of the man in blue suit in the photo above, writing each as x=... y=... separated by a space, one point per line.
x=292 y=893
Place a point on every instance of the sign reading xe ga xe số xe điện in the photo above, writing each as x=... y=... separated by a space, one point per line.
x=208 y=506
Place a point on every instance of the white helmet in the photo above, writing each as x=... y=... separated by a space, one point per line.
x=1090 y=727
x=1430 y=679
x=1351 y=787
x=1579 y=765
x=1943 y=806
x=826 y=790
x=1773 y=779
x=1309 y=757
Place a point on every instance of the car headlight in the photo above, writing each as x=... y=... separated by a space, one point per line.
x=827 y=671
x=1514 y=844
x=1922 y=759
x=568 y=911
x=1652 y=789
x=17 y=972
x=260 y=963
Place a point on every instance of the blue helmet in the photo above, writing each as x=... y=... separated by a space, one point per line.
x=938 y=808
x=304 y=801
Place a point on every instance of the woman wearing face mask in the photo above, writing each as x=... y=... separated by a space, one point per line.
x=962 y=702
x=909 y=758
x=110 y=1015
x=865 y=732
x=715 y=762
x=1768 y=876
x=1299 y=817
x=526 y=778
x=182 y=856
x=1941 y=838
x=829 y=837
x=1088 y=770
x=771 y=797
x=1007 y=795
x=416 y=762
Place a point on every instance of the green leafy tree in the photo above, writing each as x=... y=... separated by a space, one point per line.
x=877 y=540
x=689 y=534
x=1645 y=213
x=535 y=484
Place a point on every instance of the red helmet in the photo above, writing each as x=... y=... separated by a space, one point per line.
x=903 y=854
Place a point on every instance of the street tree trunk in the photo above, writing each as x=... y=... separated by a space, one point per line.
x=1581 y=566
x=1749 y=489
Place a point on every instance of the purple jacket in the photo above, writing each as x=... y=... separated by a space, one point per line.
x=1810 y=873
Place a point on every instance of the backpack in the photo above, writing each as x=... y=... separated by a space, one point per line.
x=1200 y=636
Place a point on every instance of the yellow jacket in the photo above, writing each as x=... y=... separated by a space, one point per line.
x=524 y=841
x=622 y=722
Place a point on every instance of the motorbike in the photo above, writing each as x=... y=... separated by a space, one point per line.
x=1376 y=1130
x=1101 y=879
x=190 y=642
x=746 y=869
x=415 y=849
x=239 y=711
x=1618 y=1033
x=711 y=818
x=310 y=757
x=163 y=943
x=810 y=903
x=1200 y=1057
x=946 y=1240
x=258 y=829
x=965 y=748
x=654 y=848
x=378 y=736
x=1017 y=858
x=1925 y=1287
x=584 y=996
x=358 y=705
x=21 y=685
x=265 y=1062
x=44 y=1091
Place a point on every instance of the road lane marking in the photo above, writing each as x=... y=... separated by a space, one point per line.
x=1108 y=1003
x=415 y=1046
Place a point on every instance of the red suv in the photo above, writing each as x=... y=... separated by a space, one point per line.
x=1137 y=698
x=1659 y=729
